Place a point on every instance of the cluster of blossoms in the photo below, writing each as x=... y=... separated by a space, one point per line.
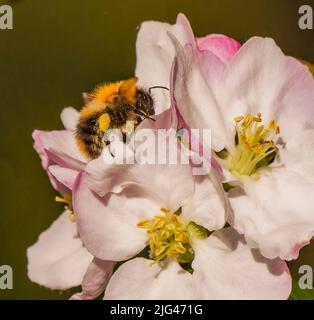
x=157 y=231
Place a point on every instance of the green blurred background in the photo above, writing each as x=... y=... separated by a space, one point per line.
x=59 y=49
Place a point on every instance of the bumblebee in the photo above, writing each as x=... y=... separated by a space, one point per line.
x=110 y=106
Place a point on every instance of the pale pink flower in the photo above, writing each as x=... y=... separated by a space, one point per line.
x=258 y=85
x=58 y=260
x=156 y=52
x=111 y=202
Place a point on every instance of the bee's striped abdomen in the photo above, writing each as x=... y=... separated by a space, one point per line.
x=89 y=137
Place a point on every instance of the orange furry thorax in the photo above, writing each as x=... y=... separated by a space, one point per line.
x=110 y=94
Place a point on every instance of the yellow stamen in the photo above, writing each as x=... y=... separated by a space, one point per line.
x=168 y=235
x=238 y=119
x=72 y=217
x=67 y=200
x=144 y=224
x=164 y=210
x=255 y=147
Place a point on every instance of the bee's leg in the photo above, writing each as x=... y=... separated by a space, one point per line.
x=144 y=115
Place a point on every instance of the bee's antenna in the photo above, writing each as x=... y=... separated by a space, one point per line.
x=157 y=87
x=141 y=113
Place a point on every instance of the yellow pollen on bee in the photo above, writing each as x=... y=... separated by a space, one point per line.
x=168 y=235
x=67 y=200
x=255 y=147
x=104 y=122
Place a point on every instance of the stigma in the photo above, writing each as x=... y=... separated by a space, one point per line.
x=254 y=146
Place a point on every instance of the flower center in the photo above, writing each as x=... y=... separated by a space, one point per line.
x=67 y=200
x=170 y=236
x=255 y=147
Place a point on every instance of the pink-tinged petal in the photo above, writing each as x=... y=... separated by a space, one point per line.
x=197 y=145
x=107 y=224
x=158 y=179
x=138 y=279
x=58 y=147
x=45 y=161
x=58 y=260
x=65 y=176
x=70 y=117
x=275 y=213
x=256 y=69
x=57 y=185
x=298 y=90
x=95 y=279
x=298 y=154
x=295 y=184
x=239 y=88
x=207 y=206
x=40 y=149
x=260 y=78
x=220 y=45
x=104 y=175
x=296 y=249
x=226 y=268
x=178 y=122
x=196 y=77
x=155 y=54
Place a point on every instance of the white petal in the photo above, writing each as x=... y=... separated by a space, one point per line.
x=58 y=259
x=65 y=176
x=59 y=147
x=70 y=117
x=206 y=207
x=155 y=54
x=137 y=279
x=197 y=82
x=226 y=268
x=256 y=69
x=95 y=279
x=105 y=175
x=298 y=154
x=260 y=78
x=298 y=90
x=171 y=184
x=275 y=213
x=108 y=226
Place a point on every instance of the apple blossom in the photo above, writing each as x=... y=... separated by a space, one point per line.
x=259 y=105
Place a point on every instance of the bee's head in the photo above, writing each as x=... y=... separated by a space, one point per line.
x=144 y=103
